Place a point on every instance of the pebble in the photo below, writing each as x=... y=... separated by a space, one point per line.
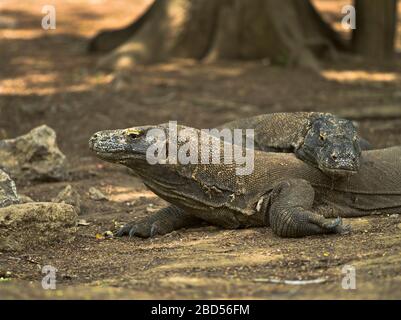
x=96 y=194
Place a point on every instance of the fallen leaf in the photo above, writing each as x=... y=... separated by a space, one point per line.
x=99 y=236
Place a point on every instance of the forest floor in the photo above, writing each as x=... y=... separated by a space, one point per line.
x=46 y=77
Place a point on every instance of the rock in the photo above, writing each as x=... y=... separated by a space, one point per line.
x=150 y=208
x=25 y=199
x=38 y=224
x=394 y=216
x=69 y=196
x=33 y=156
x=96 y=194
x=8 y=191
x=83 y=222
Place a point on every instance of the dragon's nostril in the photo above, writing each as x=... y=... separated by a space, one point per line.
x=334 y=156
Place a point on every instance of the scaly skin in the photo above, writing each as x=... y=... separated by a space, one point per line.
x=282 y=192
x=321 y=139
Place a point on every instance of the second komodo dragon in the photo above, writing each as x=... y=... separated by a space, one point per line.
x=282 y=192
x=323 y=140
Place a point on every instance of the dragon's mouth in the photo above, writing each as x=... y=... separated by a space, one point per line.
x=338 y=172
x=117 y=157
x=339 y=167
x=108 y=155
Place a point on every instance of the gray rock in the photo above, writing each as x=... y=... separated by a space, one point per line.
x=25 y=199
x=8 y=191
x=33 y=156
x=38 y=224
x=69 y=196
x=96 y=194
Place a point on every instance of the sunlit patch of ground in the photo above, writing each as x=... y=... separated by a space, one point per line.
x=43 y=84
x=125 y=194
x=349 y=76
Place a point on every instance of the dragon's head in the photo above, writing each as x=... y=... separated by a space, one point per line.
x=333 y=145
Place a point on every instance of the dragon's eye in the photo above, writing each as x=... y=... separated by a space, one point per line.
x=322 y=137
x=133 y=133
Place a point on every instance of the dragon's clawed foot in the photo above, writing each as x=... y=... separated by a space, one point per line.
x=336 y=226
x=141 y=229
x=343 y=229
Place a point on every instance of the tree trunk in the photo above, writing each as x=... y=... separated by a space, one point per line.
x=374 y=36
x=286 y=32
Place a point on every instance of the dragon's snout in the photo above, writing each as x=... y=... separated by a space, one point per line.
x=108 y=142
x=338 y=158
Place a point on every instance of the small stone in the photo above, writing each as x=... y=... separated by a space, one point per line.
x=38 y=224
x=8 y=191
x=33 y=156
x=25 y=199
x=399 y=226
x=395 y=215
x=151 y=209
x=96 y=194
x=131 y=203
x=82 y=222
x=69 y=196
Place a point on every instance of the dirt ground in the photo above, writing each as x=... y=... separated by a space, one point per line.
x=46 y=77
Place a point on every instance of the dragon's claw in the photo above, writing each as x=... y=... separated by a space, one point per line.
x=334 y=224
x=154 y=230
x=123 y=231
x=132 y=231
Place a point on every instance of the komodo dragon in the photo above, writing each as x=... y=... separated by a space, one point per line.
x=282 y=192
x=323 y=140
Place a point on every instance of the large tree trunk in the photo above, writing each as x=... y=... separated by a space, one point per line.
x=374 y=36
x=287 y=32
